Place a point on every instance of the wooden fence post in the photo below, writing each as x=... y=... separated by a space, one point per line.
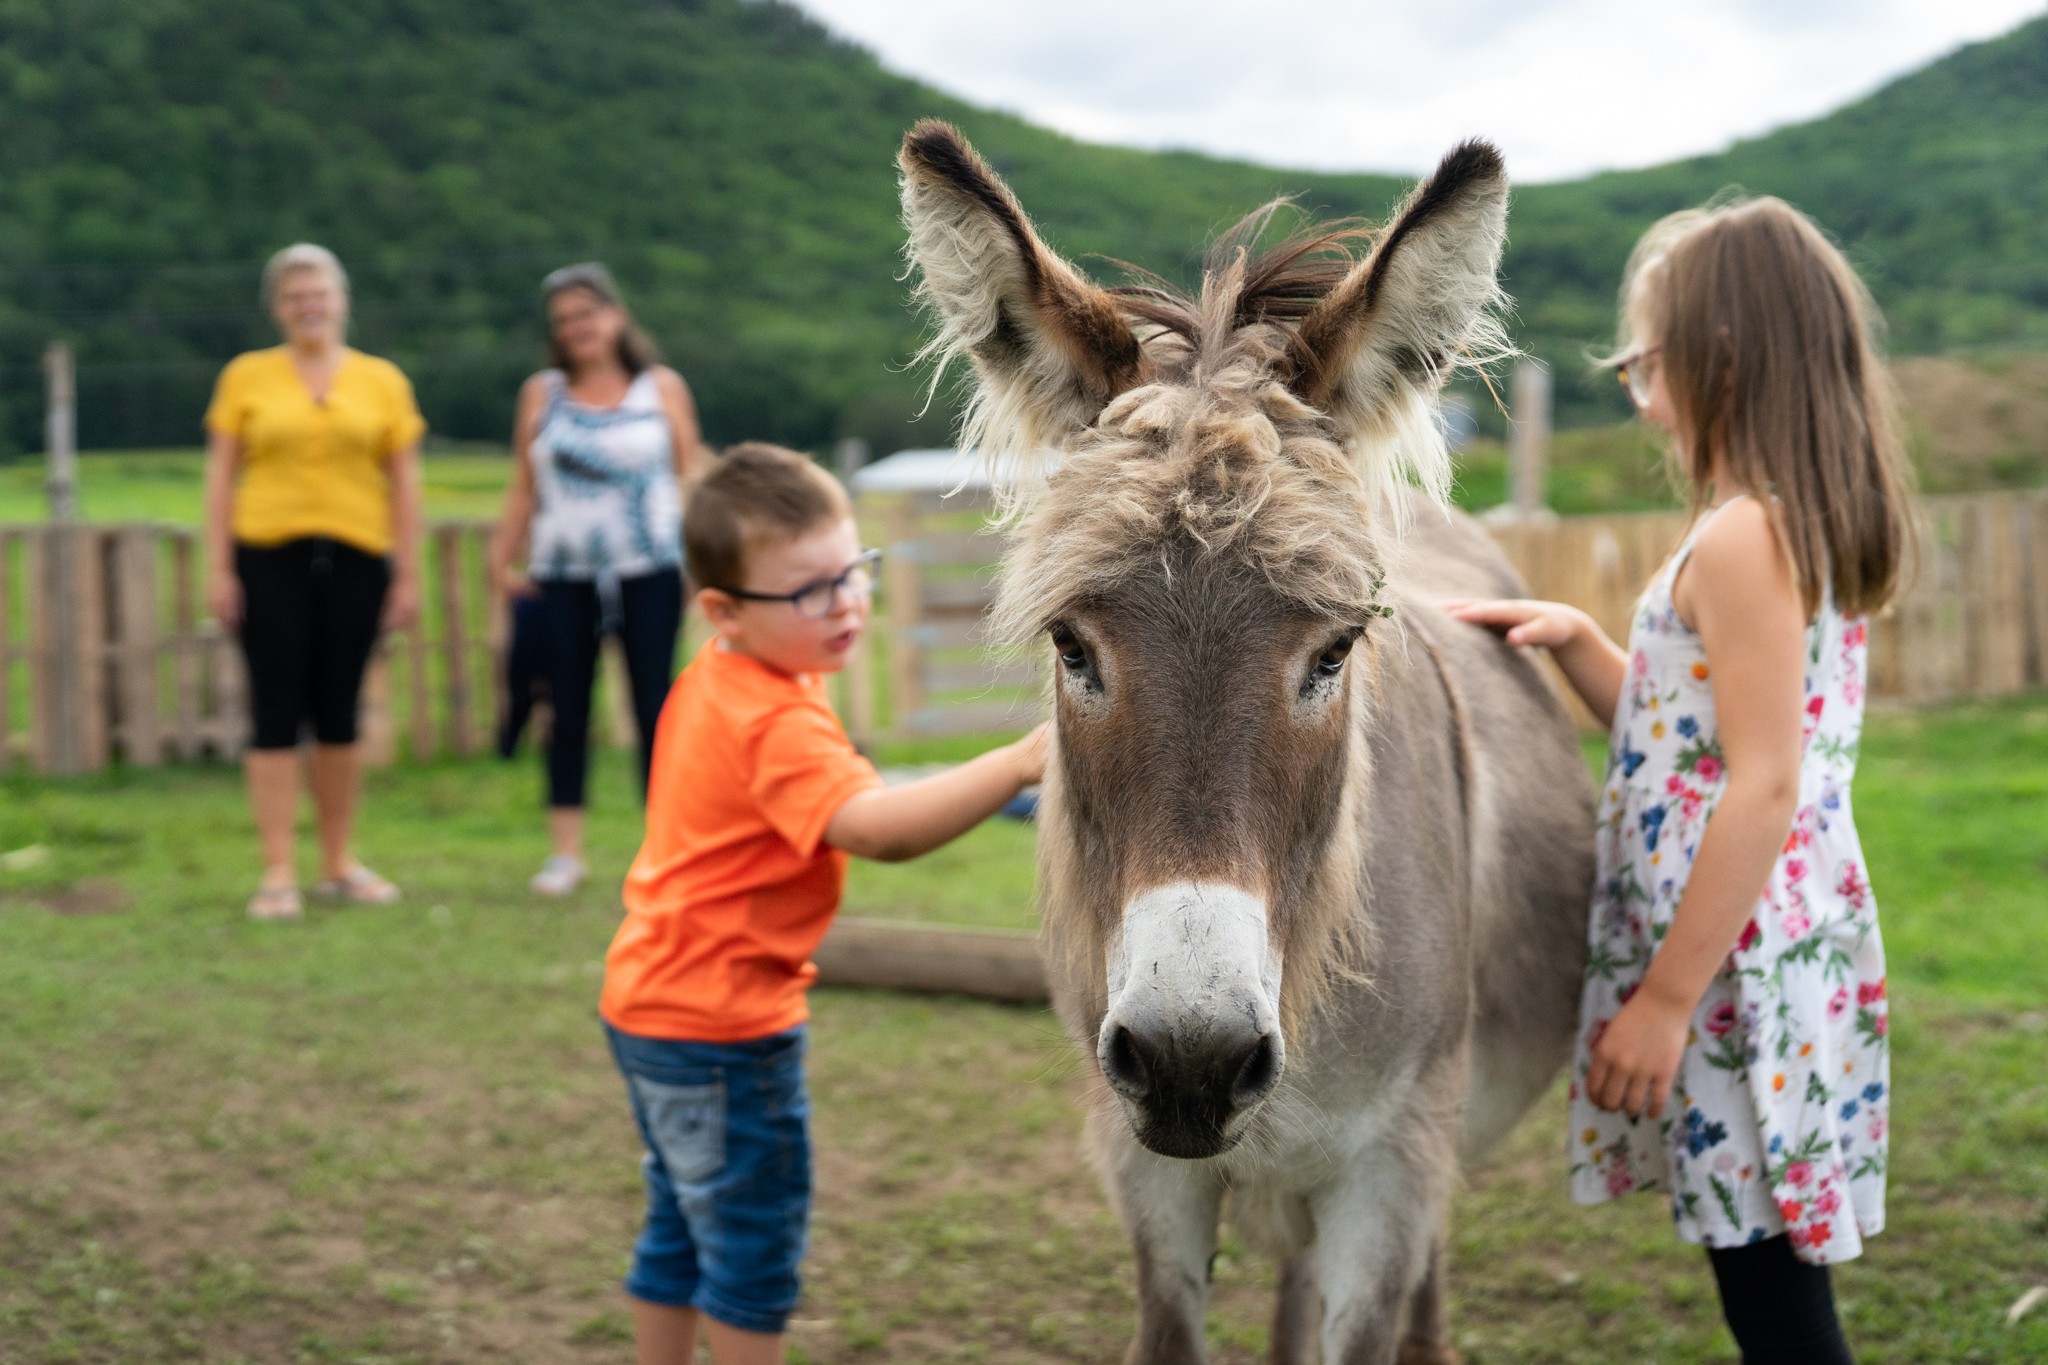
x=454 y=638
x=1994 y=589
x=379 y=734
x=904 y=585
x=60 y=434
x=134 y=650
x=1529 y=442
x=9 y=543
x=69 y=622
x=185 y=647
x=2034 y=514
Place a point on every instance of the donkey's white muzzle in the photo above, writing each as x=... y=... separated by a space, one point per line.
x=1191 y=1037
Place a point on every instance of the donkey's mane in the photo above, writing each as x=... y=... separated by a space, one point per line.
x=1216 y=450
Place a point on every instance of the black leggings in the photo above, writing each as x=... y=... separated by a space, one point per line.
x=310 y=611
x=1781 y=1310
x=650 y=614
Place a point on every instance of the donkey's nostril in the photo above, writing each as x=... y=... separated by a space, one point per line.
x=1259 y=1073
x=1126 y=1064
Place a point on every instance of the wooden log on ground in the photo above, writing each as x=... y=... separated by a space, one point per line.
x=988 y=964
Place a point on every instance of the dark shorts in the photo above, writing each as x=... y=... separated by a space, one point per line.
x=728 y=1166
x=310 y=612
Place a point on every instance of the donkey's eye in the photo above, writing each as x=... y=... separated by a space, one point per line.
x=1073 y=654
x=1331 y=661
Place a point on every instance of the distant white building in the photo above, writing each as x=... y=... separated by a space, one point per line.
x=921 y=471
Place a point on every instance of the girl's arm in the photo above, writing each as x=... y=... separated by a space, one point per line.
x=223 y=589
x=682 y=421
x=516 y=520
x=408 y=524
x=891 y=824
x=1593 y=664
x=1739 y=591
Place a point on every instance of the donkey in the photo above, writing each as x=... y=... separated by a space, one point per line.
x=1314 y=858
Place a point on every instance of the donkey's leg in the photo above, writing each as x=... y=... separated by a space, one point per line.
x=1376 y=1229
x=1170 y=1209
x=1297 y=1312
x=1428 y=1339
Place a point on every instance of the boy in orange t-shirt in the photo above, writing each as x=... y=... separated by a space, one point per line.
x=756 y=800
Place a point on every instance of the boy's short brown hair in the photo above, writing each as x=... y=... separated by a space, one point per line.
x=755 y=493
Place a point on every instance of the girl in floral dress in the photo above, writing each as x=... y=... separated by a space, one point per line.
x=1734 y=1020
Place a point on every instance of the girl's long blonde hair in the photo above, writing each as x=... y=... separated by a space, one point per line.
x=1769 y=349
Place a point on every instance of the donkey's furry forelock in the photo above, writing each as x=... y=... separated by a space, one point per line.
x=1218 y=449
x=1235 y=464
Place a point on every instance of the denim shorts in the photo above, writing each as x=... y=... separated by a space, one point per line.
x=728 y=1168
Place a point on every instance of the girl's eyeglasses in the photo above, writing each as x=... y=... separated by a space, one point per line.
x=1636 y=371
x=815 y=601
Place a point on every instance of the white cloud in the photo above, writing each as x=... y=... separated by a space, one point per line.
x=1565 y=86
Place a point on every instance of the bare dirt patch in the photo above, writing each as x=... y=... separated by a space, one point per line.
x=91 y=896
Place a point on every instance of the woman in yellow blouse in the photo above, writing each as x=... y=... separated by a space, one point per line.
x=312 y=538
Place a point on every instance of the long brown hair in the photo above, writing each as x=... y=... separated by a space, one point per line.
x=637 y=350
x=1769 y=348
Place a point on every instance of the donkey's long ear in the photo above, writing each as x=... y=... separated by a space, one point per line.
x=1375 y=350
x=1049 y=348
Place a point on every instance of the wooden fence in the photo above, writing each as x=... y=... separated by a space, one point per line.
x=1974 y=623
x=130 y=667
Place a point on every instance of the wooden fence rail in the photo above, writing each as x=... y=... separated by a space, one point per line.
x=132 y=667
x=1974 y=622
x=141 y=672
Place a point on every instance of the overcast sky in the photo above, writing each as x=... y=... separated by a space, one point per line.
x=1565 y=86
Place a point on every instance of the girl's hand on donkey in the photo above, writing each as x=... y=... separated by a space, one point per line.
x=1636 y=1059
x=1552 y=625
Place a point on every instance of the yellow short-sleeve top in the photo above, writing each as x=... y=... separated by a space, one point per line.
x=314 y=468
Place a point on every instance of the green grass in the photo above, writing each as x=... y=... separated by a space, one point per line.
x=164 y=485
x=392 y=1135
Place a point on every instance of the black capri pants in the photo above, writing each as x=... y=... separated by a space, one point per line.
x=574 y=619
x=310 y=612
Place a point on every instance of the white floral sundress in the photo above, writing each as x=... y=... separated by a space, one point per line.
x=1778 y=1116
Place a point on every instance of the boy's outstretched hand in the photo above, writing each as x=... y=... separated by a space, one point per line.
x=890 y=824
x=1030 y=755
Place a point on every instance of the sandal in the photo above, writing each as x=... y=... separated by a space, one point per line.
x=357 y=886
x=276 y=904
x=560 y=875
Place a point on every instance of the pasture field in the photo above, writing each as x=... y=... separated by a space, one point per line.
x=1595 y=469
x=393 y=1135
x=164 y=485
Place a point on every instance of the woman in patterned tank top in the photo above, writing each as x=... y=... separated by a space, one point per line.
x=603 y=443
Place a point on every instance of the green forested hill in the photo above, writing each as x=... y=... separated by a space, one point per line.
x=733 y=162
x=1937 y=184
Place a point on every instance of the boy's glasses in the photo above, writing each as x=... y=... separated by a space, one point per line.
x=815 y=601
x=1637 y=371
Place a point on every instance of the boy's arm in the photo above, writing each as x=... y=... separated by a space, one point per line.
x=891 y=824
